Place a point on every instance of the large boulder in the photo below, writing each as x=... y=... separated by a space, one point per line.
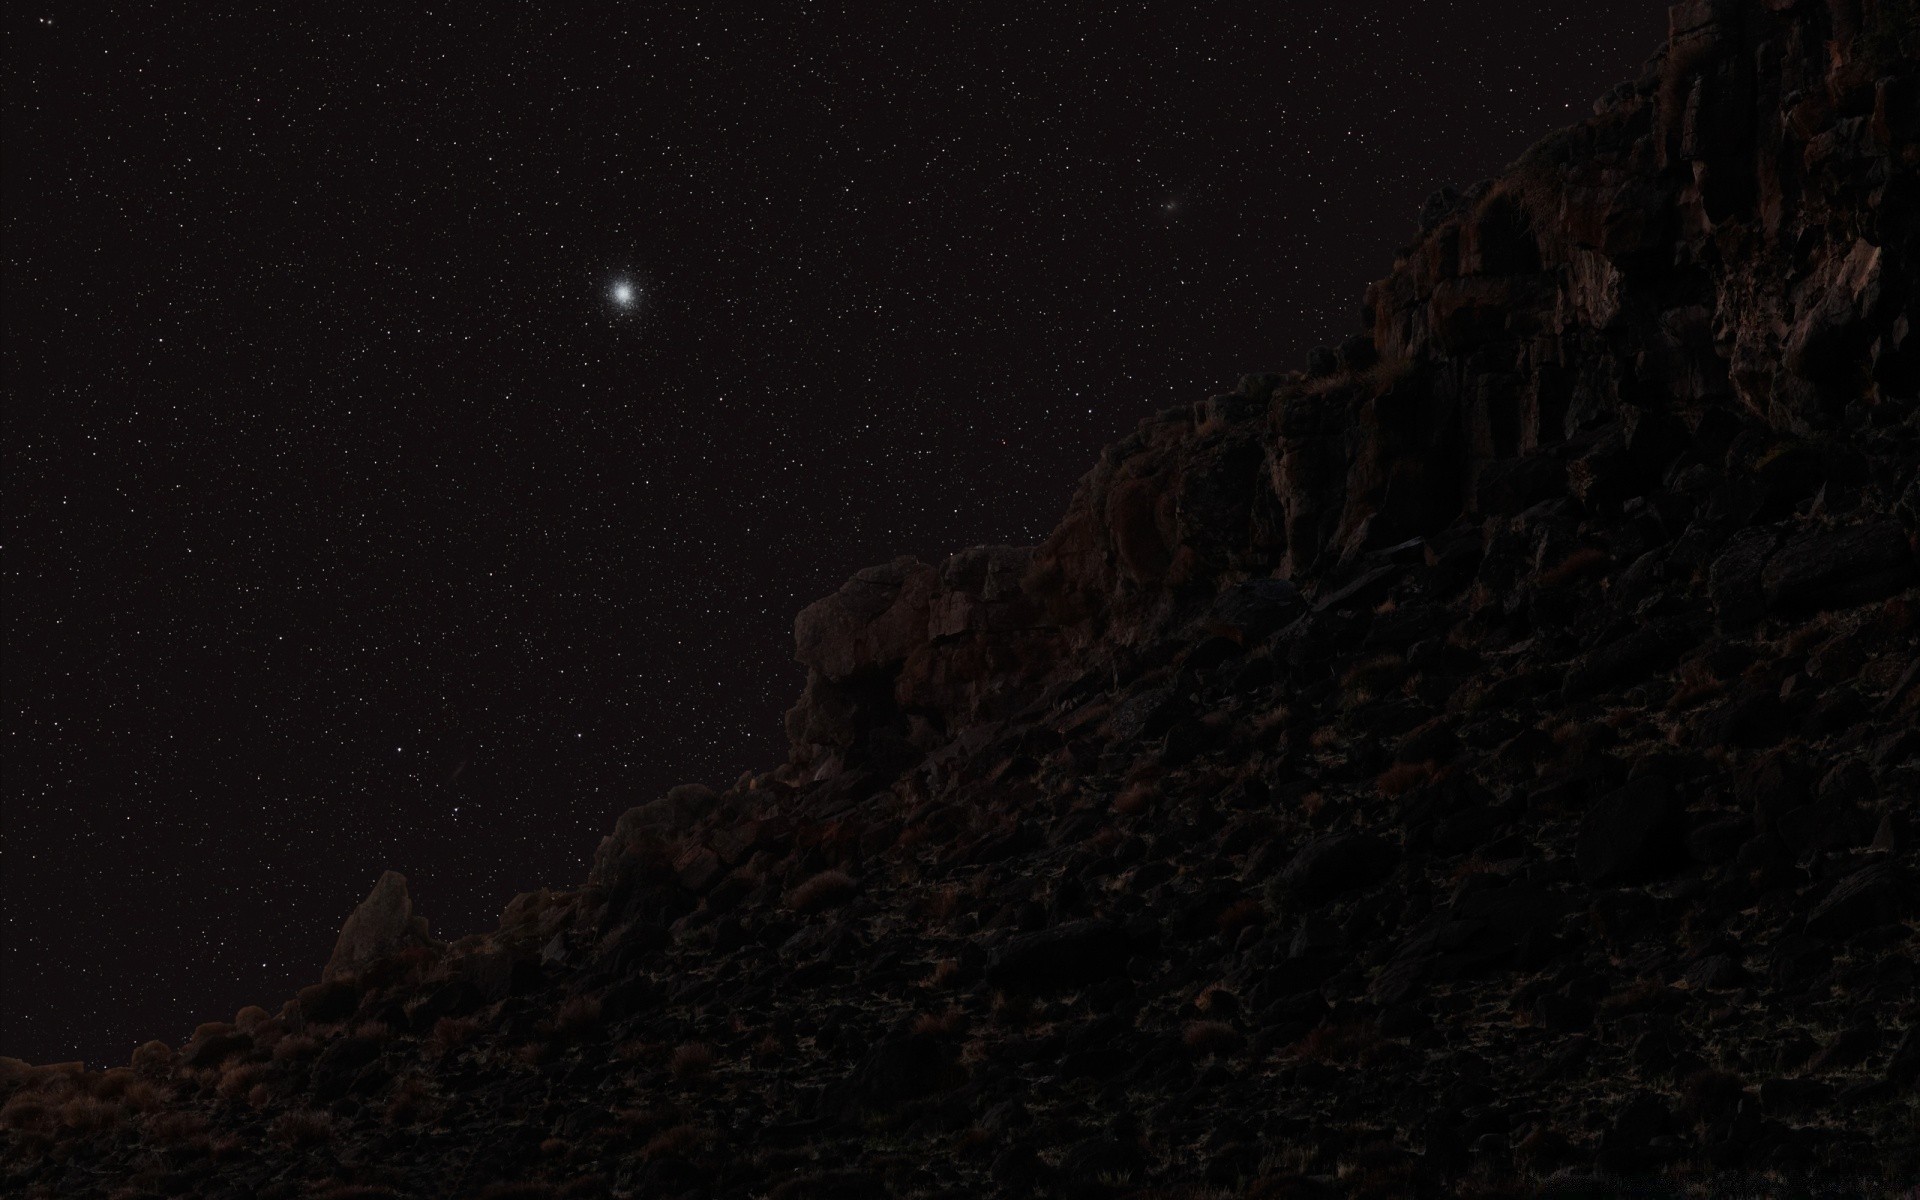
x=1070 y=955
x=643 y=831
x=1328 y=866
x=875 y=620
x=1836 y=568
x=383 y=924
x=1632 y=833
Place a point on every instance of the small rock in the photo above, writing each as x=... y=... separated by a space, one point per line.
x=1716 y=972
x=1860 y=901
x=1734 y=580
x=1561 y=1013
x=1849 y=1048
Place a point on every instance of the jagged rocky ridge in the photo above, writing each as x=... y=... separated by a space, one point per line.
x=1482 y=763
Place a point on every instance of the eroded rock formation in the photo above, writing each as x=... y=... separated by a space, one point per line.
x=1483 y=762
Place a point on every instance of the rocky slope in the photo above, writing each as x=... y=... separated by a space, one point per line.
x=1484 y=762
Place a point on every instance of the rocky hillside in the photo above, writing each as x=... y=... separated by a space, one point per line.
x=1482 y=763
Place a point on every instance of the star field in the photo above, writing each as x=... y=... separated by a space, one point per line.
x=357 y=519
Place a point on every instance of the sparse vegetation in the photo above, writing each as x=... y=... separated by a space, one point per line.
x=1342 y=1042
x=1694 y=682
x=1210 y=1037
x=302 y=1127
x=691 y=1063
x=451 y=1033
x=1401 y=778
x=681 y=1141
x=1135 y=798
x=827 y=889
x=944 y=1023
x=1585 y=563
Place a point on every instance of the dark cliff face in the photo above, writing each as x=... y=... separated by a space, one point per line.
x=1698 y=303
x=1482 y=762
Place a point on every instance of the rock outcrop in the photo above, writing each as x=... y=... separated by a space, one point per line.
x=384 y=924
x=1483 y=762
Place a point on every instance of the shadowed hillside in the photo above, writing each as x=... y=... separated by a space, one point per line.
x=1483 y=763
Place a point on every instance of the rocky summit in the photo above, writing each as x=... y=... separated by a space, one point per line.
x=1484 y=762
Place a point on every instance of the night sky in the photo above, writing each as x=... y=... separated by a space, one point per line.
x=354 y=521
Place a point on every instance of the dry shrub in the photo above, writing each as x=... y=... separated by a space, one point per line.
x=142 y=1096
x=373 y=1031
x=822 y=891
x=1210 y=1037
x=303 y=1127
x=554 y=1147
x=296 y=1047
x=174 y=1127
x=1642 y=994
x=951 y=1021
x=1274 y=718
x=1342 y=1042
x=408 y=1101
x=1583 y=563
x=259 y=1097
x=682 y=1141
x=1373 y=677
x=578 y=1017
x=451 y=1033
x=1401 y=778
x=534 y=1054
x=251 y=1018
x=1214 y=998
x=943 y=903
x=1694 y=682
x=239 y=1079
x=691 y=1062
x=1134 y=798
x=1470 y=866
x=768 y=1047
x=1709 y=1094
x=1014 y=1009
x=1240 y=914
x=1324 y=738
x=112 y=1083
x=153 y=1058
x=944 y=972
x=25 y=1111
x=57 y=1081
x=910 y=839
